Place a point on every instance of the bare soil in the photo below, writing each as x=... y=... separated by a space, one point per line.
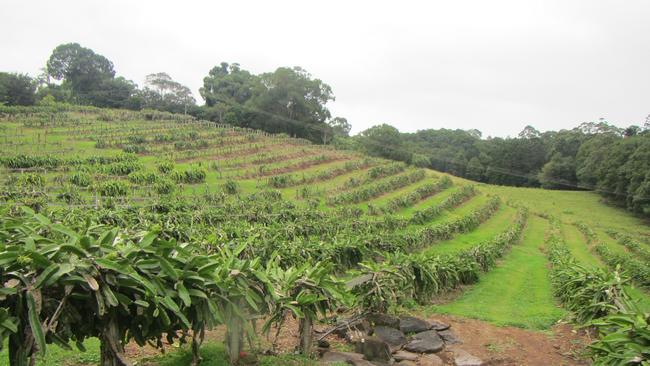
x=502 y=346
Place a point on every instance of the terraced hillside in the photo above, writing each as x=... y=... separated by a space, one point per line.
x=272 y=199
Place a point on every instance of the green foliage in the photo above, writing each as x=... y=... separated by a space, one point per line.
x=231 y=187
x=421 y=276
x=411 y=198
x=24 y=161
x=190 y=176
x=81 y=179
x=637 y=269
x=308 y=293
x=165 y=167
x=589 y=293
x=374 y=190
x=17 y=89
x=164 y=186
x=32 y=180
x=113 y=188
x=142 y=178
x=463 y=194
x=624 y=338
x=122 y=168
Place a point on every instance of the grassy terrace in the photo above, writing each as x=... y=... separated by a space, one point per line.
x=495 y=225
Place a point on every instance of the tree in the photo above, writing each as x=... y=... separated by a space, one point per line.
x=17 y=89
x=385 y=141
x=114 y=93
x=289 y=100
x=340 y=125
x=529 y=132
x=162 y=92
x=80 y=68
x=475 y=170
x=631 y=131
x=559 y=173
x=337 y=127
x=228 y=84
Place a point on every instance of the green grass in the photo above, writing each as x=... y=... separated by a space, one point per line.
x=571 y=206
x=57 y=356
x=214 y=355
x=517 y=292
x=577 y=244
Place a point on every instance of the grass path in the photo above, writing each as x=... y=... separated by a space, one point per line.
x=517 y=292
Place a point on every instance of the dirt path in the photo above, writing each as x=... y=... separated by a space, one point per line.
x=515 y=346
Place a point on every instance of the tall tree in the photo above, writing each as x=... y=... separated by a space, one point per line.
x=80 y=68
x=162 y=92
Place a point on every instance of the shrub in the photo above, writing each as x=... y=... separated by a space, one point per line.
x=165 y=167
x=81 y=179
x=190 y=176
x=31 y=180
x=231 y=187
x=122 y=168
x=141 y=178
x=113 y=188
x=165 y=186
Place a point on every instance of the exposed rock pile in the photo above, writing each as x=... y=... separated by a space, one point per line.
x=383 y=340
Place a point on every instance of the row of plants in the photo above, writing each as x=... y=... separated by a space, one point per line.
x=374 y=173
x=302 y=163
x=634 y=246
x=376 y=189
x=463 y=194
x=290 y=180
x=23 y=161
x=597 y=298
x=403 y=277
x=636 y=268
x=417 y=195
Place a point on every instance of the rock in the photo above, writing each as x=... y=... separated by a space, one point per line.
x=409 y=324
x=374 y=349
x=425 y=342
x=431 y=360
x=436 y=325
x=323 y=343
x=464 y=358
x=406 y=363
x=383 y=319
x=344 y=357
x=393 y=337
x=449 y=337
x=405 y=356
x=347 y=326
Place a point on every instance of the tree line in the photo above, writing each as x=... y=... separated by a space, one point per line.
x=288 y=100
x=593 y=156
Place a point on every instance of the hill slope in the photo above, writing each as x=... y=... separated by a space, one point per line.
x=286 y=198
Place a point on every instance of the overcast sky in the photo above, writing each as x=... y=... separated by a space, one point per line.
x=492 y=65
